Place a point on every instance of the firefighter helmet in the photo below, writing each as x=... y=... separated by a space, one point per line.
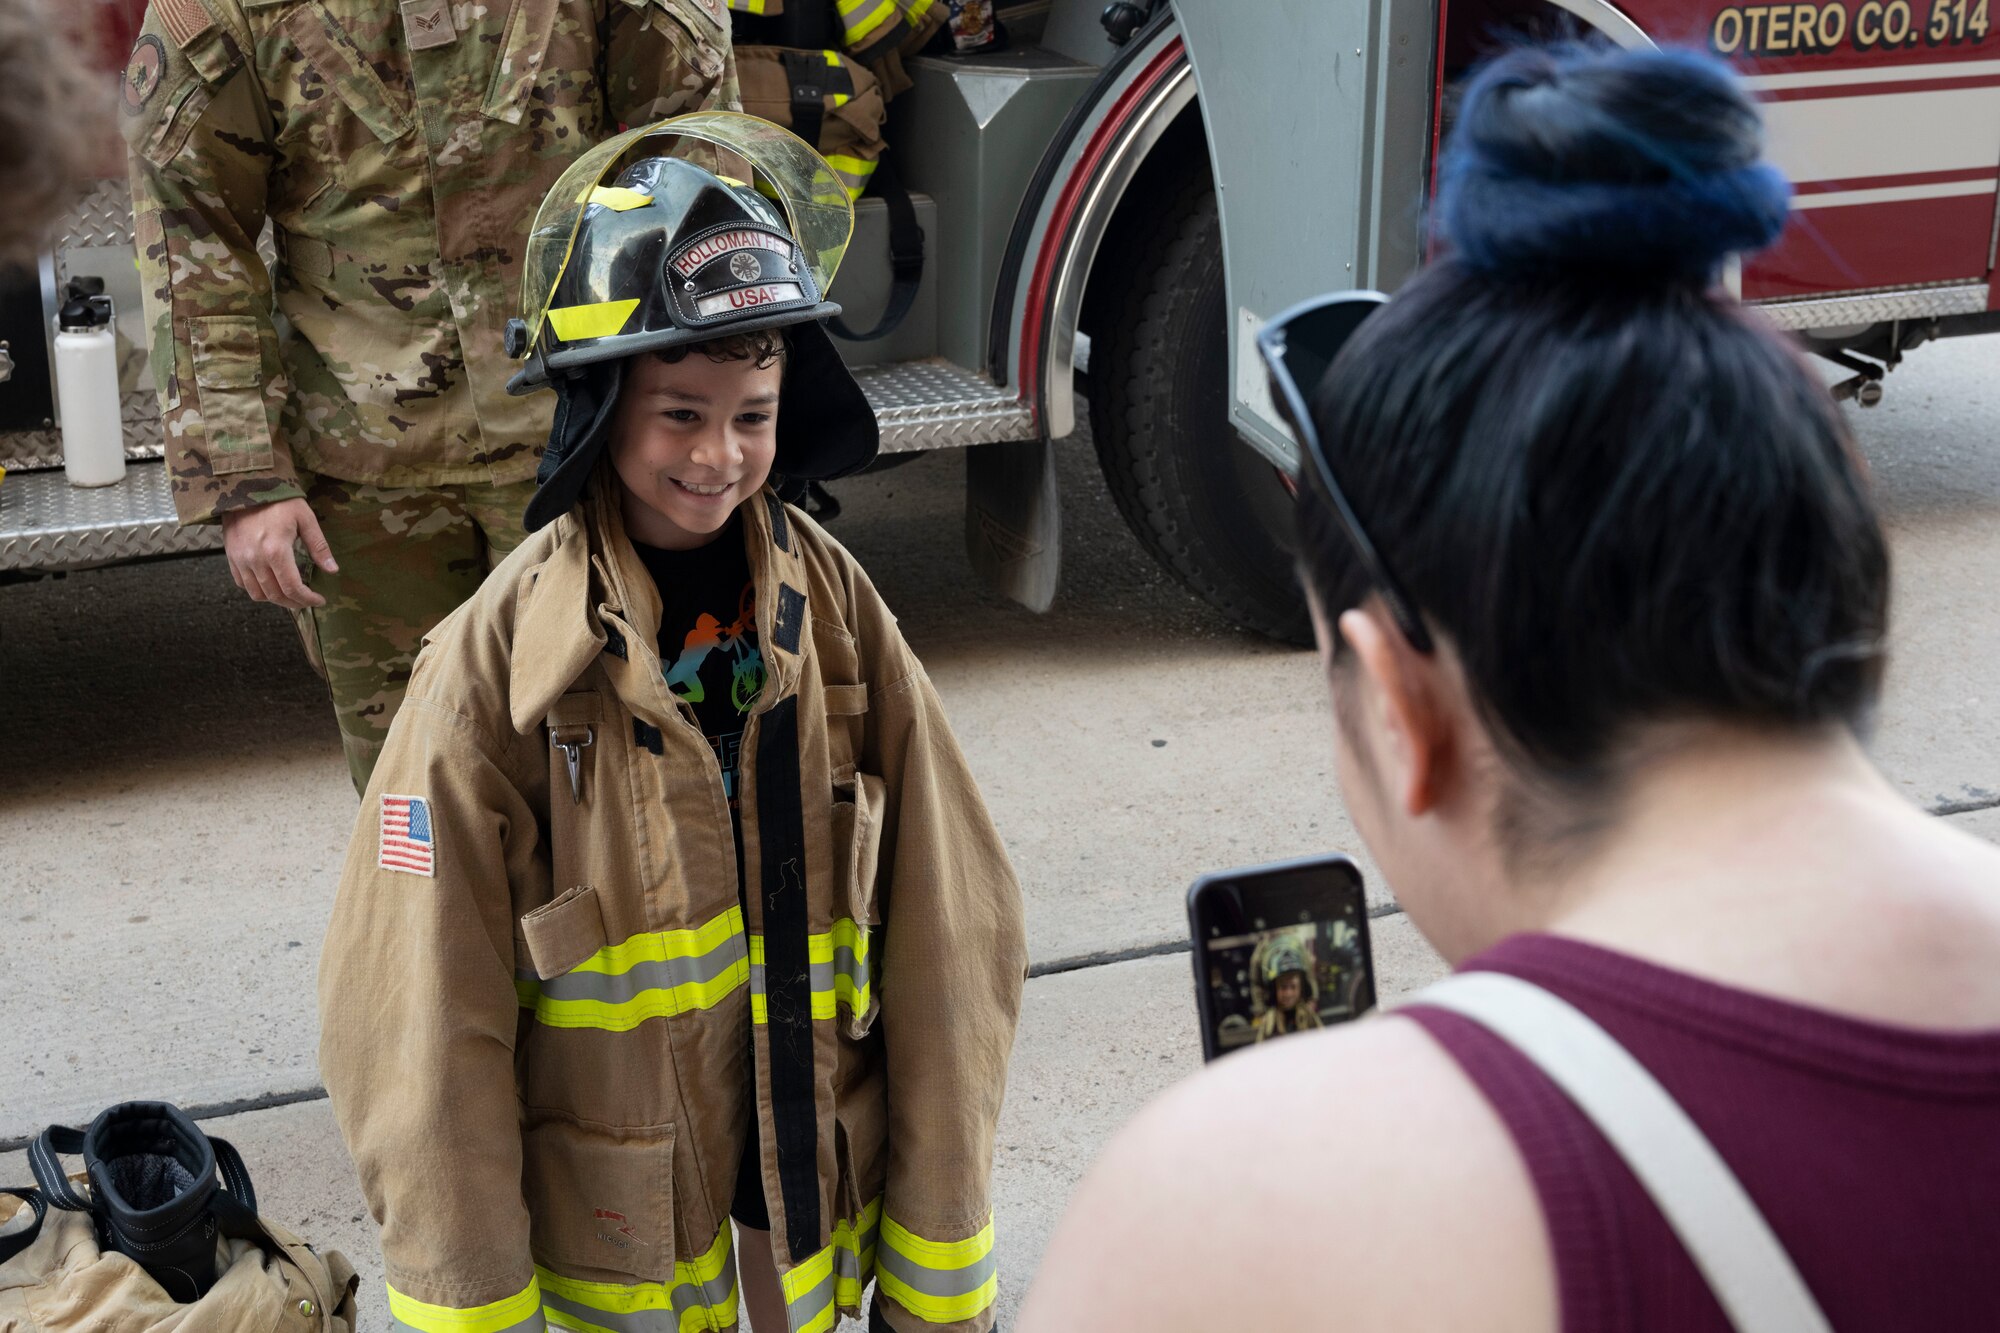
x=1286 y=957
x=678 y=233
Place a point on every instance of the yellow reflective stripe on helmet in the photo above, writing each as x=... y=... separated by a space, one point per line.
x=816 y=1290
x=654 y=974
x=702 y=1296
x=519 y=1313
x=940 y=1282
x=616 y=197
x=858 y=29
x=840 y=970
x=599 y=319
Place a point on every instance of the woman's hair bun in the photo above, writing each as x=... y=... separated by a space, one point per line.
x=1583 y=159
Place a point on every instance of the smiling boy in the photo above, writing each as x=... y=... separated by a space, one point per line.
x=673 y=901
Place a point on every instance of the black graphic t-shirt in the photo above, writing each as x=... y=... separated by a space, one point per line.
x=708 y=638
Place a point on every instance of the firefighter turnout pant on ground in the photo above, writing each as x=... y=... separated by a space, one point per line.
x=549 y=1016
x=408 y=557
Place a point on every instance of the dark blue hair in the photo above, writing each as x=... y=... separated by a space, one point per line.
x=1571 y=159
x=1619 y=497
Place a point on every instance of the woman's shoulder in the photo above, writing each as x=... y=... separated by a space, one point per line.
x=1363 y=1145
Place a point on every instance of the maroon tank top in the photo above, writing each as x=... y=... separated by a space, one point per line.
x=1873 y=1151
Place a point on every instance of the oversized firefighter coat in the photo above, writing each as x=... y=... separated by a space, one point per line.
x=544 y=1012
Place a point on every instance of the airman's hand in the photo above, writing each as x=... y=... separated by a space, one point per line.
x=258 y=542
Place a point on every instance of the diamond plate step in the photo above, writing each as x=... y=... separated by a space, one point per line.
x=937 y=405
x=48 y=524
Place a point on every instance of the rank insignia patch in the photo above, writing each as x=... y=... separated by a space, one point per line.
x=408 y=843
x=143 y=71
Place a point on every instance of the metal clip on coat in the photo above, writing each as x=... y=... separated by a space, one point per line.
x=572 y=741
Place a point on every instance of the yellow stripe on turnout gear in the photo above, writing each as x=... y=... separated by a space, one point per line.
x=703 y=1295
x=841 y=972
x=940 y=1282
x=654 y=974
x=816 y=1290
x=519 y=1313
x=858 y=29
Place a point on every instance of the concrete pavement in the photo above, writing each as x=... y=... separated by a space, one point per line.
x=173 y=805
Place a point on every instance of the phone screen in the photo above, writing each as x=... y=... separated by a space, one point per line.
x=1279 y=950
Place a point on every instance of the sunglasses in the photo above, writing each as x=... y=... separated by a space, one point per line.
x=1298 y=346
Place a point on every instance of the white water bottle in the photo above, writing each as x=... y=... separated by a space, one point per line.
x=87 y=391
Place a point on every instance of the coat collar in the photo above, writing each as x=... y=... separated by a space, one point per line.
x=592 y=596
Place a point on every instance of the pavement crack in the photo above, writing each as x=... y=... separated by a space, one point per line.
x=1055 y=967
x=1983 y=801
x=211 y=1110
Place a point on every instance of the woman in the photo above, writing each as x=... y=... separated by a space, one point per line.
x=1597 y=678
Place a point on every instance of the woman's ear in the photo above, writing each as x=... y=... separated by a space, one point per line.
x=1400 y=711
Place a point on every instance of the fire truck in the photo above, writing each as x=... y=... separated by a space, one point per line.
x=1111 y=206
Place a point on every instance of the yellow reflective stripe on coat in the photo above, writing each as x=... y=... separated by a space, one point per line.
x=701 y=1296
x=599 y=319
x=519 y=1313
x=859 y=18
x=817 y=1290
x=853 y=172
x=840 y=972
x=655 y=974
x=940 y=1282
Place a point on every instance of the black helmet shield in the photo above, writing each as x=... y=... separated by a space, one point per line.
x=670 y=255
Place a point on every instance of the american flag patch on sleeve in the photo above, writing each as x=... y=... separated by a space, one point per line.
x=408 y=843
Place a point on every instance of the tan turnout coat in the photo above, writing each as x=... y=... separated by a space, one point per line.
x=545 y=1015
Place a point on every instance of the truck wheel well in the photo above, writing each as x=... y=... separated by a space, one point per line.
x=1182 y=151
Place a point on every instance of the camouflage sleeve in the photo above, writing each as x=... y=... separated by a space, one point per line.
x=200 y=150
x=667 y=58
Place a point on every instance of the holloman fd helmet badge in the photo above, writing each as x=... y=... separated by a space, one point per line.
x=745 y=266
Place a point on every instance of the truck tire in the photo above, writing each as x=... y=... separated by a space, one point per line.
x=1205 y=504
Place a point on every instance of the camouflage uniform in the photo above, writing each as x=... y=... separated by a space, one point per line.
x=399 y=156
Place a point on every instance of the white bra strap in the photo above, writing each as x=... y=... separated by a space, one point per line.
x=1746 y=1267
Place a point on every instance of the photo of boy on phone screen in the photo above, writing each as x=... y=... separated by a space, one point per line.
x=1276 y=981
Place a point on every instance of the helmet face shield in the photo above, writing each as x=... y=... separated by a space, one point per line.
x=599 y=241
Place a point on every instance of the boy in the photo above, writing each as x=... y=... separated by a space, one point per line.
x=672 y=899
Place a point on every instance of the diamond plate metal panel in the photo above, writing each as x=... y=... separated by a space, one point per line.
x=938 y=405
x=1832 y=312
x=145 y=437
x=102 y=217
x=47 y=524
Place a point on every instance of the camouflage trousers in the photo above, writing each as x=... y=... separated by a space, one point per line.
x=407 y=558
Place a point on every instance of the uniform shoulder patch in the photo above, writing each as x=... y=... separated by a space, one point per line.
x=143 y=72
x=407 y=841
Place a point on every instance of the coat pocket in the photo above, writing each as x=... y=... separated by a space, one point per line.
x=599 y=1197
x=560 y=934
x=228 y=353
x=859 y=800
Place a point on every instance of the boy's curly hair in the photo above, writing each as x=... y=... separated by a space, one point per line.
x=49 y=117
x=766 y=347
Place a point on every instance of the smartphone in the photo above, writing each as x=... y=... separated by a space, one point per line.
x=1279 y=949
